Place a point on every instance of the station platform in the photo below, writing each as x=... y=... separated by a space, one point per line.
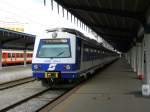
x=115 y=89
x=11 y=73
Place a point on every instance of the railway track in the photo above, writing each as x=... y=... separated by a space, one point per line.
x=39 y=100
x=16 y=83
x=59 y=99
x=31 y=97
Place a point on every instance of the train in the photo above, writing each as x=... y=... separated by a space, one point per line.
x=67 y=54
x=13 y=57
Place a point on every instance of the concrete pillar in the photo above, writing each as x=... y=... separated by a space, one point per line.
x=25 y=58
x=147 y=58
x=126 y=57
x=146 y=85
x=140 y=61
x=132 y=54
x=143 y=62
x=129 y=57
x=133 y=58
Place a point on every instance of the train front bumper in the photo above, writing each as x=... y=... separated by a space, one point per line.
x=55 y=74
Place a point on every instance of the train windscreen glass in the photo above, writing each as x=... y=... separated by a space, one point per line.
x=54 y=48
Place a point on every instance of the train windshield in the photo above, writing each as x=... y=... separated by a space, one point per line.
x=54 y=48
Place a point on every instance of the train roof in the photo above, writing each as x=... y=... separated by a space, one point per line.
x=81 y=35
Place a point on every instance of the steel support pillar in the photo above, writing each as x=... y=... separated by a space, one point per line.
x=25 y=58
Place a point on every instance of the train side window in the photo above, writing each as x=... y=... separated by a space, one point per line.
x=30 y=55
x=13 y=55
x=9 y=55
x=17 y=55
x=21 y=55
x=84 y=53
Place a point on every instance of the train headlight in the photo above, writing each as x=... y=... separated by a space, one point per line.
x=67 y=67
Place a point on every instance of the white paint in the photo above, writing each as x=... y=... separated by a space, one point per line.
x=52 y=66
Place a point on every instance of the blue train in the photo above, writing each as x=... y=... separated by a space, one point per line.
x=67 y=54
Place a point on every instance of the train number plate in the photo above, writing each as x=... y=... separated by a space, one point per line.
x=49 y=74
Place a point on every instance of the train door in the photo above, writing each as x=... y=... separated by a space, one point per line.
x=13 y=57
x=17 y=57
x=9 y=58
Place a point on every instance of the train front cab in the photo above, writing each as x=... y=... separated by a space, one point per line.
x=57 y=59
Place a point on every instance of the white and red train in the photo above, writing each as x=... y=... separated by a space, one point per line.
x=15 y=57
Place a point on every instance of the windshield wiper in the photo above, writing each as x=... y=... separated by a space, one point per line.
x=60 y=53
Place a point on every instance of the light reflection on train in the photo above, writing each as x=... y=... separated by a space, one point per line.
x=10 y=57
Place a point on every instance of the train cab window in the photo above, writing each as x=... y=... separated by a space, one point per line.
x=49 y=48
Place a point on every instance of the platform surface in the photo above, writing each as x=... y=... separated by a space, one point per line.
x=11 y=73
x=115 y=89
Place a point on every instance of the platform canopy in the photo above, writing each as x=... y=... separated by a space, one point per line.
x=10 y=39
x=117 y=21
